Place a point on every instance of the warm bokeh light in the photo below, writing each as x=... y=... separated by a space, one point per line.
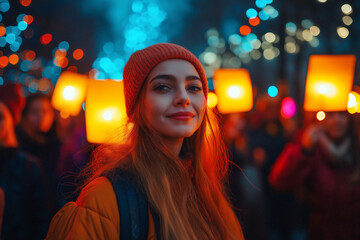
x=2 y=31
x=107 y=115
x=347 y=20
x=29 y=55
x=245 y=30
x=288 y=108
x=72 y=69
x=254 y=21
x=28 y=19
x=234 y=90
x=353 y=102
x=4 y=61
x=343 y=32
x=346 y=9
x=314 y=30
x=212 y=100
x=320 y=115
x=61 y=62
x=46 y=38
x=270 y=37
x=105 y=112
x=329 y=80
x=25 y=3
x=69 y=92
x=64 y=114
x=13 y=59
x=78 y=54
x=322 y=1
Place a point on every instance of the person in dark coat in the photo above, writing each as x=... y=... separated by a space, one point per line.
x=37 y=136
x=326 y=162
x=20 y=177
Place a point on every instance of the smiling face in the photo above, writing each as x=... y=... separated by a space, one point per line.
x=174 y=102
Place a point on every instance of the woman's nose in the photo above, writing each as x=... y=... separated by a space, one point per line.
x=182 y=97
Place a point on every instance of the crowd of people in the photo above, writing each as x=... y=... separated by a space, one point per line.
x=287 y=180
x=36 y=163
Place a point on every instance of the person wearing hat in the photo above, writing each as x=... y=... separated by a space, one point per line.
x=174 y=156
x=24 y=216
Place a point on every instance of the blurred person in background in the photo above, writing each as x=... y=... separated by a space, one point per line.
x=20 y=178
x=245 y=179
x=37 y=135
x=325 y=160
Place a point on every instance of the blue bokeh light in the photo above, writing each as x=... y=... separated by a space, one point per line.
x=260 y=3
x=247 y=46
x=251 y=13
x=1 y=81
x=22 y=25
x=20 y=17
x=273 y=91
x=263 y=15
x=108 y=47
x=2 y=41
x=64 y=45
x=4 y=6
x=10 y=38
x=137 y=6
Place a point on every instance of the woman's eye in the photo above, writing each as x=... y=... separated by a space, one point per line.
x=162 y=87
x=195 y=88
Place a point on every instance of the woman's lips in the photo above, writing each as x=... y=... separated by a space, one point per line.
x=181 y=115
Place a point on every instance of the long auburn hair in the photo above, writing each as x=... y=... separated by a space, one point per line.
x=191 y=206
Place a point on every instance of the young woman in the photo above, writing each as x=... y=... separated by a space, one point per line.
x=173 y=150
x=326 y=162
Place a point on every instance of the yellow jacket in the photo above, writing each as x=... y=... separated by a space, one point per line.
x=95 y=215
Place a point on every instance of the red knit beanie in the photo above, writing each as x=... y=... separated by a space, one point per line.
x=143 y=61
x=13 y=97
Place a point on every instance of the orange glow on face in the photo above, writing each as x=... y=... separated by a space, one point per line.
x=4 y=61
x=72 y=69
x=46 y=38
x=30 y=55
x=28 y=19
x=13 y=59
x=245 y=30
x=254 y=21
x=2 y=31
x=78 y=54
x=25 y=3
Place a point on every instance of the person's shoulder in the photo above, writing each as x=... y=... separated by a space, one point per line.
x=95 y=214
x=100 y=197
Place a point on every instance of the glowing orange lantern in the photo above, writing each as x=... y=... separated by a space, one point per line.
x=69 y=92
x=234 y=90
x=329 y=81
x=105 y=112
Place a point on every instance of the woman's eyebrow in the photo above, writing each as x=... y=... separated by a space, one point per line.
x=173 y=78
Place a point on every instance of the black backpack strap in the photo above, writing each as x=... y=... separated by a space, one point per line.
x=132 y=204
